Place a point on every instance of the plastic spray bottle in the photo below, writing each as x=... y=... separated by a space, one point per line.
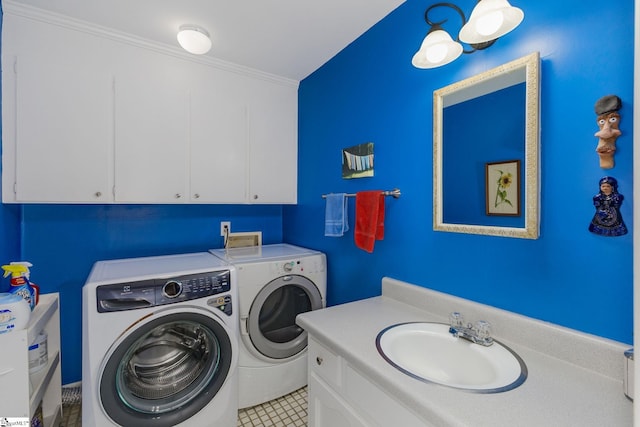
x=20 y=283
x=27 y=275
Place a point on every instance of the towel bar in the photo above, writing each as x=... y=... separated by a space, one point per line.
x=395 y=193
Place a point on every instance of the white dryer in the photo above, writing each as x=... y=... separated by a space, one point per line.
x=275 y=284
x=160 y=342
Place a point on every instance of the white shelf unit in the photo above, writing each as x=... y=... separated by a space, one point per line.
x=24 y=392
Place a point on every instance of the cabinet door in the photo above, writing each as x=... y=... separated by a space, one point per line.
x=218 y=168
x=14 y=375
x=151 y=122
x=273 y=142
x=328 y=409
x=63 y=131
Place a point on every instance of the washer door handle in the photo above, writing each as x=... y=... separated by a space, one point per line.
x=244 y=325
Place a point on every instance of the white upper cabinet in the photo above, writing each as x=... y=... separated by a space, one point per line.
x=218 y=140
x=273 y=135
x=90 y=117
x=151 y=133
x=61 y=135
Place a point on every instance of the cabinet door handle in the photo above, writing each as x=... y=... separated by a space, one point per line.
x=178 y=195
x=319 y=360
x=196 y=196
x=98 y=194
x=255 y=197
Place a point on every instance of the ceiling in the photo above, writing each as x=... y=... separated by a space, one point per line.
x=288 y=38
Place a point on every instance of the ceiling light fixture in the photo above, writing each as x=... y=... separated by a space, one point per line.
x=194 y=39
x=489 y=20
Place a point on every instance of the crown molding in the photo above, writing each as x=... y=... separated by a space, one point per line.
x=12 y=7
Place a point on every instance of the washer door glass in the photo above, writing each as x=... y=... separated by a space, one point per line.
x=272 y=318
x=167 y=370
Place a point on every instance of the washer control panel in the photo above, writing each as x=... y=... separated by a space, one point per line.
x=304 y=265
x=154 y=292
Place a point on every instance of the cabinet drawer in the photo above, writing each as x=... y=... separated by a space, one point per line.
x=325 y=363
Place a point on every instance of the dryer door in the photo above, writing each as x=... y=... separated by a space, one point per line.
x=271 y=323
x=165 y=368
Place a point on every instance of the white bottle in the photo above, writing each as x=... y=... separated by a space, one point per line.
x=38 y=355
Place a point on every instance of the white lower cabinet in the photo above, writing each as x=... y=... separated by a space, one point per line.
x=340 y=396
x=328 y=409
x=23 y=393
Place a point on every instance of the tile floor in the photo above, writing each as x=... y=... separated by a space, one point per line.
x=286 y=411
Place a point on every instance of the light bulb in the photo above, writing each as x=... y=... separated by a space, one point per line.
x=436 y=49
x=489 y=20
x=436 y=53
x=490 y=23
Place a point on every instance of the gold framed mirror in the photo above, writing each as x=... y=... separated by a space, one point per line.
x=486 y=119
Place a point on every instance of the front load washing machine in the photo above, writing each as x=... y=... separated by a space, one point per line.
x=275 y=284
x=160 y=342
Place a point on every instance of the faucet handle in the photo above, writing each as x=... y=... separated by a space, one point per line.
x=456 y=320
x=483 y=329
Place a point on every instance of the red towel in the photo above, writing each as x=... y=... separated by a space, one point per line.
x=369 y=219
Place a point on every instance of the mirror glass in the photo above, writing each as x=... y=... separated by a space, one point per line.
x=486 y=152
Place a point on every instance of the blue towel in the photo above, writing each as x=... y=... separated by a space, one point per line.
x=336 y=221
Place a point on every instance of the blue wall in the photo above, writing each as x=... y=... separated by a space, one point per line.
x=370 y=92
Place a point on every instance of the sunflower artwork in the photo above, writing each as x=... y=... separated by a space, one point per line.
x=503 y=188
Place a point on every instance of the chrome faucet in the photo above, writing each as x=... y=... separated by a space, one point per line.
x=480 y=333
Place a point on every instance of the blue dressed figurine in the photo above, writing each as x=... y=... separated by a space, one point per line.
x=607 y=220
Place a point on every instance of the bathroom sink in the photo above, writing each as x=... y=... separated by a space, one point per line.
x=428 y=352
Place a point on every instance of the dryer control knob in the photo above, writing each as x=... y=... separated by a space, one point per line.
x=172 y=289
x=288 y=267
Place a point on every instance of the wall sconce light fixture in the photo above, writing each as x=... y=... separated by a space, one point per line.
x=489 y=20
x=194 y=39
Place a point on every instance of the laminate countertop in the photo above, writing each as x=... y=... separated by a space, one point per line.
x=574 y=379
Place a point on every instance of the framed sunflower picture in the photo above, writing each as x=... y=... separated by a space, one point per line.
x=502 y=180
